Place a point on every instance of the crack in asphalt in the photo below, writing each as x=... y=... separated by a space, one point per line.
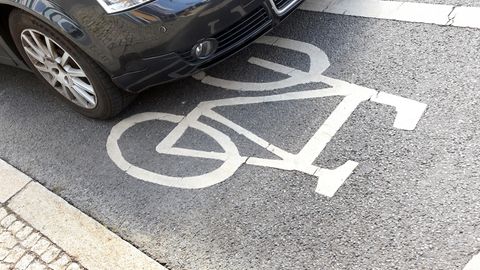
x=451 y=19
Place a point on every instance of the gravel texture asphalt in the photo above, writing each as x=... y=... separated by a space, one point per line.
x=413 y=202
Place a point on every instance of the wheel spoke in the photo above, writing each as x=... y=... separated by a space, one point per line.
x=78 y=98
x=81 y=96
x=41 y=68
x=82 y=85
x=53 y=80
x=64 y=59
x=75 y=72
x=39 y=44
x=50 y=48
x=39 y=52
x=34 y=55
x=65 y=91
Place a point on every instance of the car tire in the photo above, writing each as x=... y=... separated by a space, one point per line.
x=61 y=64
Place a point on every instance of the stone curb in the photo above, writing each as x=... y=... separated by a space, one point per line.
x=83 y=240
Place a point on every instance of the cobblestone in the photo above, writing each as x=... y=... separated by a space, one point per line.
x=7 y=240
x=3 y=253
x=24 y=248
x=41 y=246
x=7 y=221
x=15 y=254
x=31 y=239
x=16 y=226
x=36 y=265
x=61 y=263
x=4 y=266
x=51 y=253
x=25 y=261
x=23 y=233
x=3 y=213
x=73 y=266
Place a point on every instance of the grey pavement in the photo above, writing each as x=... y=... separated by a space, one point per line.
x=413 y=202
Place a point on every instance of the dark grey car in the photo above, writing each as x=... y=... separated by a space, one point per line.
x=98 y=54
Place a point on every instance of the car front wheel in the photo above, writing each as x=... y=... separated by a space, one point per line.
x=70 y=72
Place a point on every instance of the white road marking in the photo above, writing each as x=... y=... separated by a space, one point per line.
x=318 y=64
x=473 y=264
x=329 y=181
x=466 y=17
x=461 y=16
x=409 y=113
x=89 y=242
x=231 y=157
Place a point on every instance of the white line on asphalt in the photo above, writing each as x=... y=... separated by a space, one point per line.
x=461 y=16
x=473 y=264
x=89 y=242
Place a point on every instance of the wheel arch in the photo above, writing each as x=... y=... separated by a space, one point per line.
x=46 y=11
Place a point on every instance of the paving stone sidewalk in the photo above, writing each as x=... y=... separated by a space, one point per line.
x=23 y=247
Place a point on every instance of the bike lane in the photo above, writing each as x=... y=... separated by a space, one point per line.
x=411 y=203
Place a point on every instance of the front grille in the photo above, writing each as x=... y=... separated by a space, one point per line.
x=250 y=27
x=280 y=4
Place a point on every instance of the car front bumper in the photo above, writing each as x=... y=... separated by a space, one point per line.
x=245 y=23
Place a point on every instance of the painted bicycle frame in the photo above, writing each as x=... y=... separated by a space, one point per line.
x=409 y=113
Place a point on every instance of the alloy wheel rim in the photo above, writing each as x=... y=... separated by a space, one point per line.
x=59 y=68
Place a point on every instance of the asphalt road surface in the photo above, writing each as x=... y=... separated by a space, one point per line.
x=411 y=203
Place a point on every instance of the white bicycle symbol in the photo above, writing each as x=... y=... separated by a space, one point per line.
x=408 y=111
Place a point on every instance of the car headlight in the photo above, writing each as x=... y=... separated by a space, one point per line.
x=112 y=6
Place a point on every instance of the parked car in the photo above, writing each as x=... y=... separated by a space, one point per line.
x=98 y=54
